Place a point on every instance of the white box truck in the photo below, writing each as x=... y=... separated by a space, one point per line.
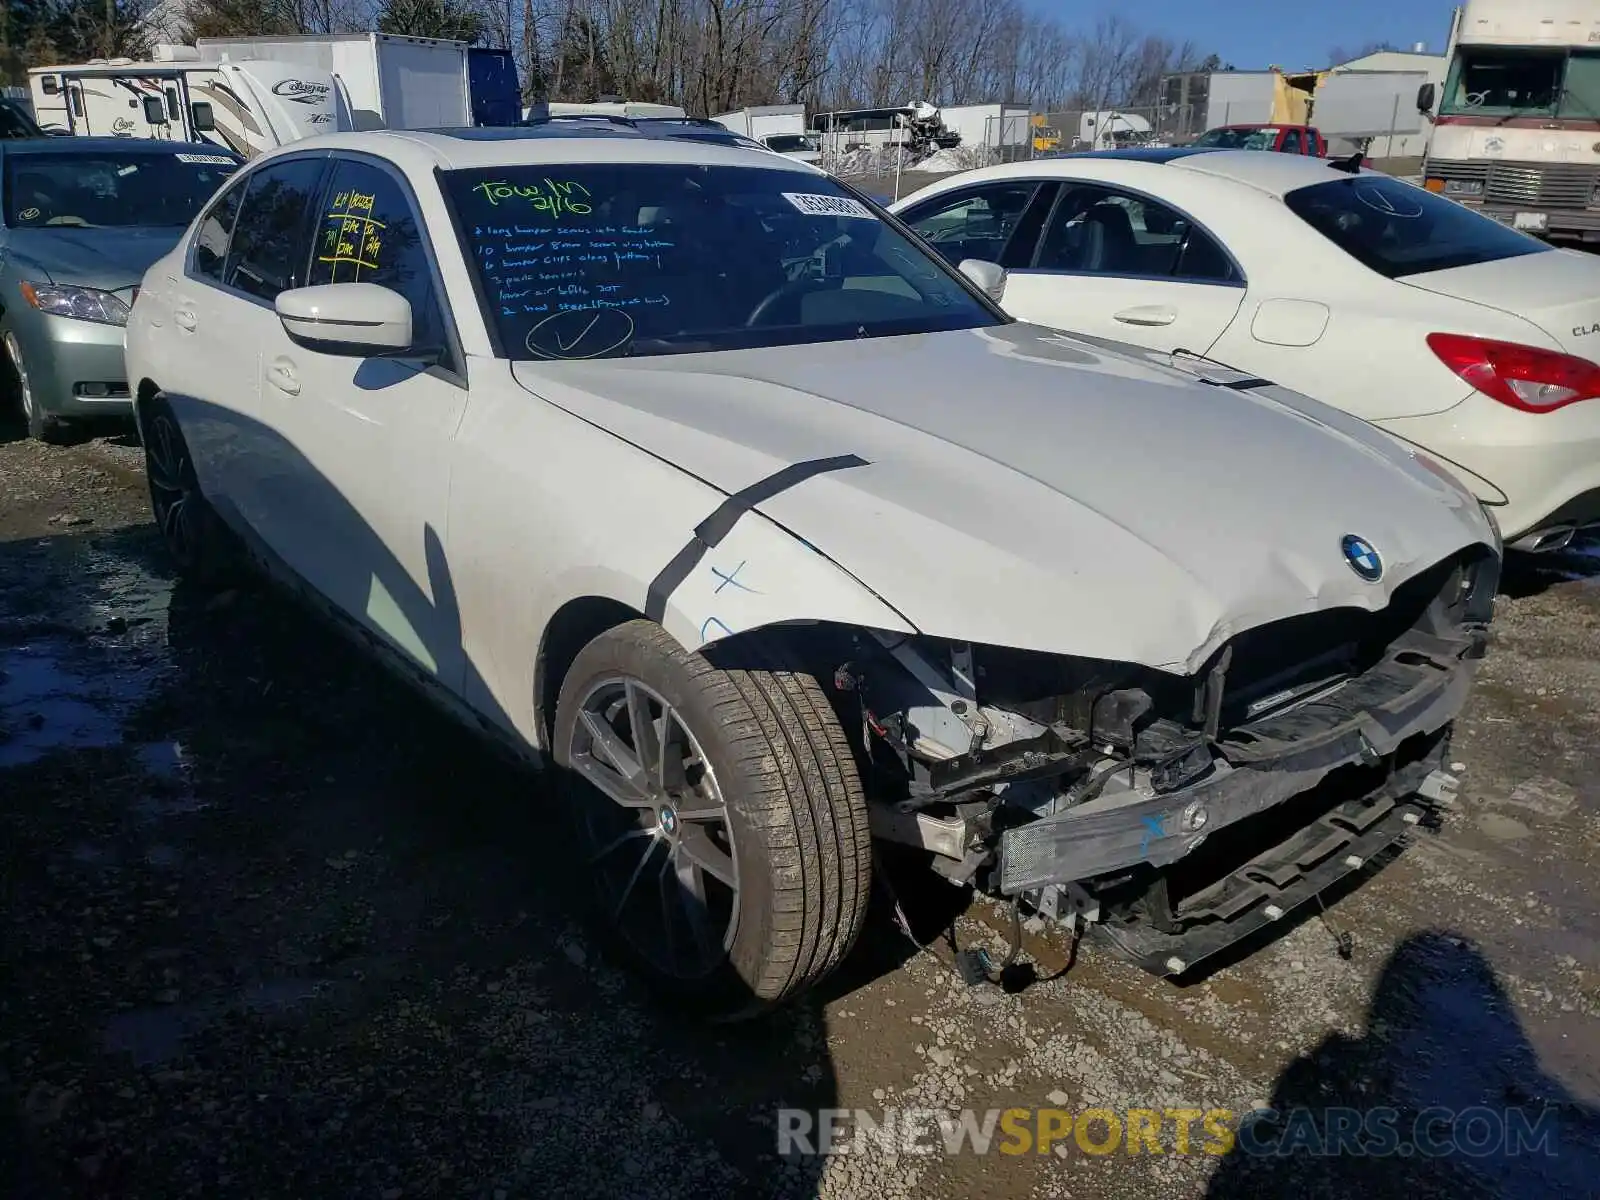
x=391 y=81
x=990 y=126
x=1515 y=125
x=248 y=106
x=778 y=127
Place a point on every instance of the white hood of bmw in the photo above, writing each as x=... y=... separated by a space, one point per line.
x=1027 y=489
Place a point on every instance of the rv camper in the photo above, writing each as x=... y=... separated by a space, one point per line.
x=249 y=106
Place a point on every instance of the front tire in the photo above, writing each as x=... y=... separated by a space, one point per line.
x=42 y=427
x=728 y=837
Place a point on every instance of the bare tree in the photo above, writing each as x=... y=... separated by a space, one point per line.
x=713 y=55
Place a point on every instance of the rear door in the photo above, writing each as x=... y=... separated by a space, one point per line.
x=252 y=244
x=1123 y=265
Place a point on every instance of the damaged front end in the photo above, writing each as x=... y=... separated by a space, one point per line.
x=1177 y=813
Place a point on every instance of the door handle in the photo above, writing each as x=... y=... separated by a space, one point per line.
x=1147 y=314
x=185 y=320
x=280 y=375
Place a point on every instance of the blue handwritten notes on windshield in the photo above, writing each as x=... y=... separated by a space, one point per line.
x=549 y=254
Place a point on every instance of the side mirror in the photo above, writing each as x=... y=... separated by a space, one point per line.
x=1426 y=95
x=200 y=116
x=989 y=277
x=155 y=110
x=355 y=319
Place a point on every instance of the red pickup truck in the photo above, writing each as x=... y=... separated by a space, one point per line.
x=1285 y=139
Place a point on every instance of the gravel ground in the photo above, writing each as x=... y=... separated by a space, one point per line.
x=272 y=928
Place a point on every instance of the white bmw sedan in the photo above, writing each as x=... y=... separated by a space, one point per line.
x=684 y=471
x=1440 y=325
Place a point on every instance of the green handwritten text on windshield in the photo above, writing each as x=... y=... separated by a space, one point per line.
x=548 y=196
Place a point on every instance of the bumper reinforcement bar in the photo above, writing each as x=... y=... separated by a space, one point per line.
x=1265 y=890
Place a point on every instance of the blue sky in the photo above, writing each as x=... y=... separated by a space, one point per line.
x=1252 y=34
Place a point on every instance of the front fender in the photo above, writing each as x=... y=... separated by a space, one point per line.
x=547 y=509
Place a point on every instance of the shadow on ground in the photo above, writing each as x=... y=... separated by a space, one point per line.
x=274 y=926
x=1530 y=574
x=1444 y=1096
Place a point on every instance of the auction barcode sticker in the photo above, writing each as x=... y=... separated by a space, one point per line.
x=204 y=158
x=829 y=206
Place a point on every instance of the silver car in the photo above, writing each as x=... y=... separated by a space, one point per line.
x=80 y=220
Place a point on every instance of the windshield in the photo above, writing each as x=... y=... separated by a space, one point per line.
x=606 y=260
x=1239 y=139
x=110 y=188
x=1397 y=229
x=1493 y=82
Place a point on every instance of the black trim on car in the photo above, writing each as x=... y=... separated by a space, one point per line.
x=491 y=328
x=242 y=178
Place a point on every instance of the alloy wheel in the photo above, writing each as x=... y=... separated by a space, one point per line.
x=24 y=392
x=172 y=490
x=656 y=828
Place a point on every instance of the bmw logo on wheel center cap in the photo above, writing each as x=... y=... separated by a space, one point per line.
x=1363 y=559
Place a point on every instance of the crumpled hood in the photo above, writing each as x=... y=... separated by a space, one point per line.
x=108 y=259
x=1030 y=489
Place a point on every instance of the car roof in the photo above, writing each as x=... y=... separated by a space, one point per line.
x=570 y=125
x=560 y=140
x=99 y=145
x=1274 y=174
x=1151 y=154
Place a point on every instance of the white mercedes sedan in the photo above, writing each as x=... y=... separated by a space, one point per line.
x=1445 y=328
x=687 y=473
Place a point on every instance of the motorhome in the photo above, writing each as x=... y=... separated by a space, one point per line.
x=248 y=106
x=1516 y=127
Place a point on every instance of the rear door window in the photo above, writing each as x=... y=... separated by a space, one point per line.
x=1397 y=229
x=1102 y=231
x=272 y=237
x=216 y=228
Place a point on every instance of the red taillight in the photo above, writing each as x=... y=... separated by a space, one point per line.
x=1524 y=377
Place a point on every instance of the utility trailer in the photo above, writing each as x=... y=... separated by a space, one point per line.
x=391 y=81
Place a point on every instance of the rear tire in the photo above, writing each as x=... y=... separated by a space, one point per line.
x=194 y=535
x=746 y=781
